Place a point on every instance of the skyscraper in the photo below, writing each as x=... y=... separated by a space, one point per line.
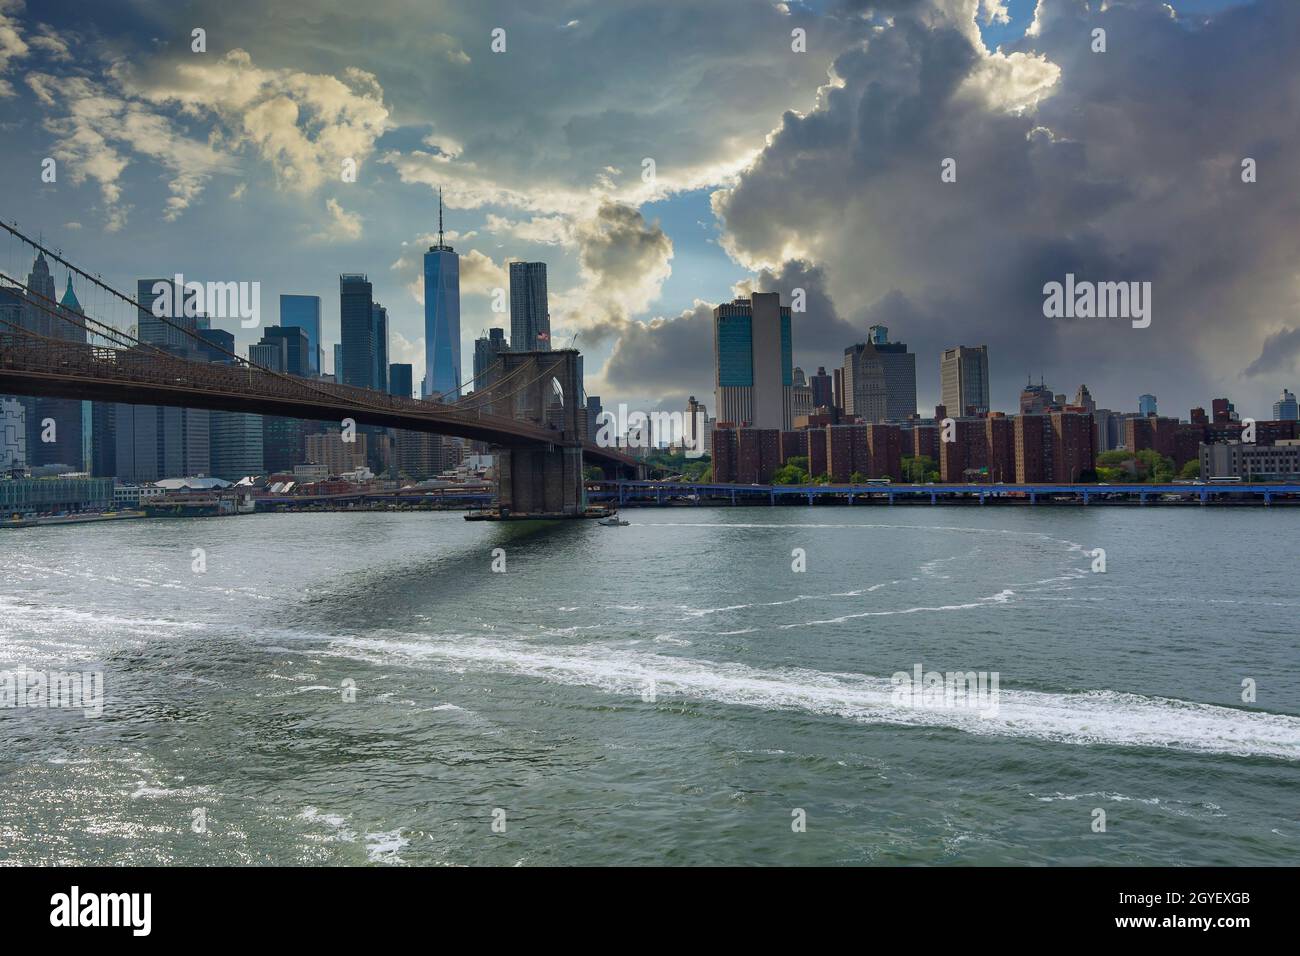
x=13 y=436
x=801 y=397
x=71 y=417
x=530 y=320
x=822 y=389
x=1222 y=411
x=753 y=366
x=297 y=347
x=486 y=349
x=356 y=322
x=964 y=379
x=1146 y=405
x=1285 y=408
x=1083 y=399
x=168 y=334
x=55 y=427
x=379 y=329
x=235 y=439
x=399 y=380
x=879 y=379
x=1034 y=399
x=157 y=442
x=441 y=319
x=303 y=312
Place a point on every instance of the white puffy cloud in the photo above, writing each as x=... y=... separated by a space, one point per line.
x=12 y=45
x=343 y=224
x=305 y=125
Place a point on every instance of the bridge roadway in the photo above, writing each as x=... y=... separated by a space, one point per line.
x=144 y=377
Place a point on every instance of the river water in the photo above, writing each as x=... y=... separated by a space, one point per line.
x=366 y=689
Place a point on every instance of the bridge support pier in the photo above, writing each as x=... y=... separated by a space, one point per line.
x=541 y=481
x=542 y=388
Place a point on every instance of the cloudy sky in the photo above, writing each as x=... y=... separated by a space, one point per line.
x=774 y=169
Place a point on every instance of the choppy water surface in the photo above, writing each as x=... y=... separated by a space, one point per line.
x=668 y=692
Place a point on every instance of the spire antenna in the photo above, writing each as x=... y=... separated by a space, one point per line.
x=440 y=216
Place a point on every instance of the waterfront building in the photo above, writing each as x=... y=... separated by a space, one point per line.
x=28 y=495
x=753 y=367
x=419 y=454
x=1255 y=462
x=964 y=379
x=879 y=379
x=329 y=449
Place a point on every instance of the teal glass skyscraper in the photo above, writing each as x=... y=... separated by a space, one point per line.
x=303 y=312
x=442 y=375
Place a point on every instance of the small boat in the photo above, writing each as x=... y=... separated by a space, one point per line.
x=612 y=522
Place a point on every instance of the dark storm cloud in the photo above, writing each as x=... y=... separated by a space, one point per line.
x=1280 y=354
x=1126 y=166
x=664 y=357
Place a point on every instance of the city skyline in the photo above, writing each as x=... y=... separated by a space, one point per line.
x=624 y=252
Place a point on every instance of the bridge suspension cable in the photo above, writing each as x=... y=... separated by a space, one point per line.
x=305 y=384
x=336 y=395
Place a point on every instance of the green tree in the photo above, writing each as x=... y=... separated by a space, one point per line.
x=789 y=474
x=1191 y=470
x=857 y=478
x=920 y=468
x=1154 y=467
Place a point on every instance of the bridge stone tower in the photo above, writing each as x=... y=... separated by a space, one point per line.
x=544 y=388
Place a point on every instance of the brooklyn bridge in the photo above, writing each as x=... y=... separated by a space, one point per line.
x=528 y=409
